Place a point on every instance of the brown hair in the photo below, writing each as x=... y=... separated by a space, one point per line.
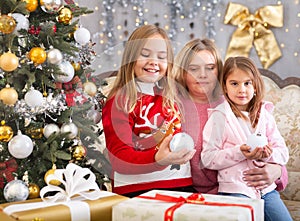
x=247 y=65
x=125 y=83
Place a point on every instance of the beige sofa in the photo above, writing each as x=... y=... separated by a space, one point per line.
x=285 y=94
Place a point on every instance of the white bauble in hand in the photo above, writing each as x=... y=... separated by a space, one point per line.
x=15 y=190
x=256 y=140
x=20 y=146
x=180 y=141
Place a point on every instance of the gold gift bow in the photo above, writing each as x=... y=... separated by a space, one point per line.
x=254 y=28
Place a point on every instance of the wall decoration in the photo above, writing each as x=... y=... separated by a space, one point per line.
x=184 y=20
x=254 y=29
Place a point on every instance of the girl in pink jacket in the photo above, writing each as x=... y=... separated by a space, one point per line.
x=228 y=129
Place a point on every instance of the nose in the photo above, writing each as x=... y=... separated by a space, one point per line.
x=202 y=73
x=242 y=88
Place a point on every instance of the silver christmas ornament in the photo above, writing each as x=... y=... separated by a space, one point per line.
x=15 y=190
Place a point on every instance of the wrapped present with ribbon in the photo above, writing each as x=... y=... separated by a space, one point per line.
x=160 y=205
x=254 y=29
x=80 y=200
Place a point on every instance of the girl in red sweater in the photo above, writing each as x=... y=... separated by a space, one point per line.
x=140 y=117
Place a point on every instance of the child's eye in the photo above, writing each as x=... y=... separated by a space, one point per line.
x=234 y=83
x=144 y=54
x=248 y=83
x=162 y=55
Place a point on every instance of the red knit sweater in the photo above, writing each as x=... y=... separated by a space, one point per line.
x=131 y=147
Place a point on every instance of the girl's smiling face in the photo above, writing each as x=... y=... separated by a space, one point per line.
x=152 y=64
x=239 y=88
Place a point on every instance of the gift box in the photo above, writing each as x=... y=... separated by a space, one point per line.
x=160 y=205
x=80 y=200
x=100 y=209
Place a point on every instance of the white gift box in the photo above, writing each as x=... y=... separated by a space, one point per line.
x=155 y=206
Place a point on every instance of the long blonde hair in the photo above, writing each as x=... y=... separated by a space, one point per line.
x=125 y=85
x=185 y=56
x=247 y=65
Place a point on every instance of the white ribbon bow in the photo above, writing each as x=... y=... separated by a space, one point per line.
x=77 y=181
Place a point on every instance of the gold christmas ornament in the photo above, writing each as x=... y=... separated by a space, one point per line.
x=90 y=88
x=6 y=132
x=37 y=55
x=254 y=29
x=51 y=171
x=35 y=132
x=76 y=66
x=34 y=191
x=8 y=95
x=7 y=24
x=65 y=16
x=78 y=152
x=31 y=5
x=9 y=62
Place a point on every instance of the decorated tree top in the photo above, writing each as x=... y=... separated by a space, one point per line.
x=50 y=107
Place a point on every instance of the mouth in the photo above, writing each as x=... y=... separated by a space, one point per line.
x=151 y=70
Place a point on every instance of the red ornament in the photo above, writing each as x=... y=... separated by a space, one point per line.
x=54 y=28
x=6 y=170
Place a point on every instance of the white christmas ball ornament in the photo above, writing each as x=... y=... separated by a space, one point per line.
x=70 y=128
x=54 y=56
x=90 y=88
x=50 y=129
x=22 y=22
x=16 y=190
x=256 y=140
x=82 y=36
x=68 y=70
x=180 y=141
x=33 y=98
x=20 y=146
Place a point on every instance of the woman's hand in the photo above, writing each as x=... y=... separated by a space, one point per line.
x=165 y=157
x=263 y=175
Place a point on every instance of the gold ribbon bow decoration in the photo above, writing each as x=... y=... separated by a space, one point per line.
x=254 y=29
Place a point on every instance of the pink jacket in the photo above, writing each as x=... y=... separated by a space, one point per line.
x=222 y=138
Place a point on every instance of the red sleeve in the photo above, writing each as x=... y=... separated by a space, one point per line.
x=123 y=157
x=283 y=181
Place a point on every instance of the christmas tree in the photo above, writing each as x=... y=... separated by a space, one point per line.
x=49 y=105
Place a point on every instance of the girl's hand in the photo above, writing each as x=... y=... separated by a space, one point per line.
x=256 y=154
x=165 y=157
x=267 y=151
